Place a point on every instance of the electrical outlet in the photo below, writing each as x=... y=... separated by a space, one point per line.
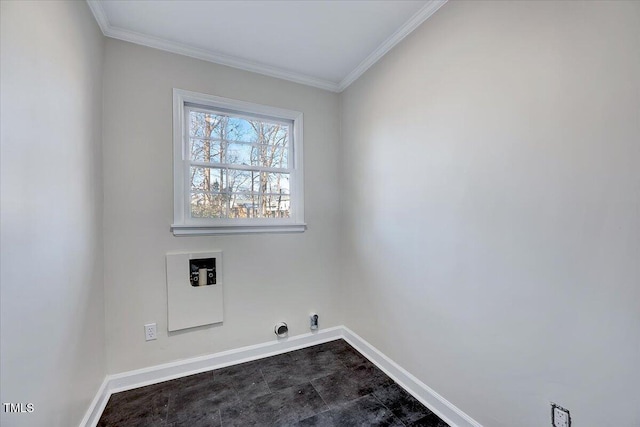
x=150 y=331
x=560 y=416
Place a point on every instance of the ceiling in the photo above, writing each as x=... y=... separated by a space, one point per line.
x=326 y=44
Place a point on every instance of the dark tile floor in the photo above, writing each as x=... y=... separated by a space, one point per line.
x=329 y=384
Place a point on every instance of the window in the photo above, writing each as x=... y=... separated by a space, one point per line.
x=237 y=166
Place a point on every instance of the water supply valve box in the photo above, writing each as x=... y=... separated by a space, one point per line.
x=203 y=271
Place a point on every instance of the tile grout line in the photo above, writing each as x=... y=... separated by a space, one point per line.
x=321 y=398
x=394 y=415
x=341 y=362
x=265 y=380
x=329 y=408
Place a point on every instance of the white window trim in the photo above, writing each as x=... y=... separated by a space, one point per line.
x=183 y=224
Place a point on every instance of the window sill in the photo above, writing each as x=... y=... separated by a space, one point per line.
x=208 y=230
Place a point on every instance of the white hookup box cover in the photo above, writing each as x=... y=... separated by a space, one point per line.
x=190 y=306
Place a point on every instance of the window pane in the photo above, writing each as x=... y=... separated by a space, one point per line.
x=208 y=196
x=244 y=181
x=271 y=133
x=276 y=206
x=209 y=180
x=280 y=157
x=270 y=156
x=206 y=125
x=275 y=183
x=241 y=154
x=237 y=129
x=244 y=206
x=205 y=150
x=206 y=205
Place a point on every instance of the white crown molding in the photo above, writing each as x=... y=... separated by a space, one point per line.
x=218 y=58
x=231 y=61
x=203 y=54
x=414 y=22
x=98 y=13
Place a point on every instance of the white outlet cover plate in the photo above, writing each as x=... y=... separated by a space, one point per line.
x=560 y=417
x=150 y=331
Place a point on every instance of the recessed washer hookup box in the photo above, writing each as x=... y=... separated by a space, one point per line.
x=194 y=289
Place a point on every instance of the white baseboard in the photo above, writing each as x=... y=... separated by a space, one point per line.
x=196 y=365
x=181 y=368
x=97 y=405
x=425 y=394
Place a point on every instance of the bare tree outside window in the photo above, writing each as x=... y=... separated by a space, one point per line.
x=239 y=166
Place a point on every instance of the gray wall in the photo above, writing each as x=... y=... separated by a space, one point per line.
x=52 y=310
x=492 y=214
x=267 y=277
x=487 y=236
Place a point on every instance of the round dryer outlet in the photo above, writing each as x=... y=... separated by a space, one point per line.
x=281 y=330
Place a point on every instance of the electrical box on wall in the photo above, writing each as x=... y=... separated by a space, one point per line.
x=194 y=289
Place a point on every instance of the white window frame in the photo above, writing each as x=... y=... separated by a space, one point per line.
x=183 y=223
